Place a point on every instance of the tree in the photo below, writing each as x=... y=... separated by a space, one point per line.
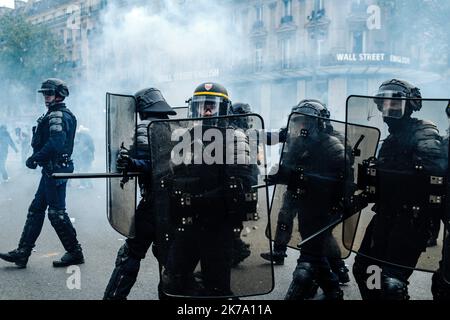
x=28 y=54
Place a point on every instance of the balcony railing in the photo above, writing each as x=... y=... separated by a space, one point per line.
x=287 y=19
x=258 y=25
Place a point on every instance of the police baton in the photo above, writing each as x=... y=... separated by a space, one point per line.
x=96 y=175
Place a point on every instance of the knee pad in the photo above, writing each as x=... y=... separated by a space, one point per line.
x=128 y=262
x=394 y=289
x=56 y=216
x=440 y=288
x=303 y=285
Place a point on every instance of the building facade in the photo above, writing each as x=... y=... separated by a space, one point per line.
x=322 y=49
x=289 y=50
x=74 y=22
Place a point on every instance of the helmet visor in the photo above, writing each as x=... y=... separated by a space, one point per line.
x=48 y=92
x=391 y=103
x=303 y=125
x=206 y=106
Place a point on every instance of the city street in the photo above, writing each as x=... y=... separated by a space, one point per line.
x=100 y=243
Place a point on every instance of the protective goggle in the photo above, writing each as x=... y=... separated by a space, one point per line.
x=48 y=92
x=391 y=103
x=206 y=106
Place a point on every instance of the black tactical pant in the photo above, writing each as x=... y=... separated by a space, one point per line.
x=51 y=194
x=397 y=239
x=212 y=247
x=131 y=253
x=285 y=222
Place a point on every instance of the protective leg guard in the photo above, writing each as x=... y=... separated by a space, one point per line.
x=32 y=229
x=30 y=233
x=329 y=282
x=303 y=285
x=394 y=289
x=123 y=277
x=64 y=229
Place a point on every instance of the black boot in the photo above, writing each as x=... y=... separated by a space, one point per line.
x=276 y=256
x=303 y=285
x=124 y=275
x=70 y=258
x=17 y=256
x=329 y=283
x=340 y=269
x=68 y=236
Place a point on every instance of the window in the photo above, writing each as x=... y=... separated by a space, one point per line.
x=285 y=48
x=287 y=8
x=318 y=5
x=358 y=42
x=258 y=57
x=259 y=13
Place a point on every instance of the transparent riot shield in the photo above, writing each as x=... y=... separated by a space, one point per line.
x=182 y=113
x=211 y=216
x=316 y=165
x=404 y=187
x=121 y=124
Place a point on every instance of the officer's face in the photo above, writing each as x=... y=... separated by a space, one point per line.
x=209 y=109
x=393 y=108
x=49 y=99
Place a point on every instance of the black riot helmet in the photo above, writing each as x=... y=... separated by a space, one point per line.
x=393 y=97
x=211 y=98
x=312 y=116
x=54 y=87
x=240 y=108
x=151 y=103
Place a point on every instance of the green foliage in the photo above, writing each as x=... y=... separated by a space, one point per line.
x=28 y=54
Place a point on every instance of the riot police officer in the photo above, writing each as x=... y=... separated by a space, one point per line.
x=395 y=234
x=241 y=250
x=206 y=226
x=319 y=151
x=287 y=215
x=52 y=144
x=151 y=105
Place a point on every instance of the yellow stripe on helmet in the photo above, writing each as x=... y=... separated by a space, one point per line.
x=212 y=94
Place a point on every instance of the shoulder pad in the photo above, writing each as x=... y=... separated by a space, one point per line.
x=424 y=124
x=333 y=148
x=55 y=121
x=424 y=130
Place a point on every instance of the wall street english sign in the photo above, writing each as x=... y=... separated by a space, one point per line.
x=372 y=58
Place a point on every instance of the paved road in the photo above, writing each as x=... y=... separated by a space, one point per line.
x=100 y=243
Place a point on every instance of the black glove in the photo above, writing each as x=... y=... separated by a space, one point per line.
x=30 y=163
x=282 y=135
x=278 y=175
x=124 y=161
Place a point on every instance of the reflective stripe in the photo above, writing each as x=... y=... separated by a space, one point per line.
x=212 y=94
